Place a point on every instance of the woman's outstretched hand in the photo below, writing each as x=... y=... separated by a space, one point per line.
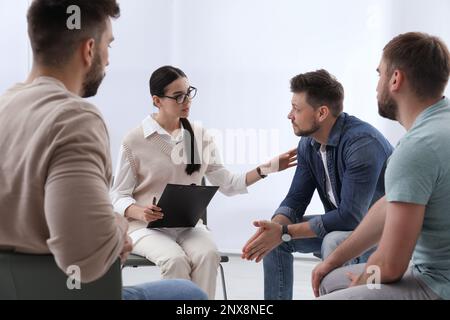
x=280 y=163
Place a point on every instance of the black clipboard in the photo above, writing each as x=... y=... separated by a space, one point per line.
x=183 y=206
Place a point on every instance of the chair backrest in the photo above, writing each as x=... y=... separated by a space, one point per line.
x=37 y=277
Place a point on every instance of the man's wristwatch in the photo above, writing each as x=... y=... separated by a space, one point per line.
x=263 y=176
x=285 y=236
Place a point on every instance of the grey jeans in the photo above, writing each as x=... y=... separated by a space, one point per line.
x=335 y=287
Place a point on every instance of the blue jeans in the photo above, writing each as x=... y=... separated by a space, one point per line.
x=279 y=263
x=164 y=290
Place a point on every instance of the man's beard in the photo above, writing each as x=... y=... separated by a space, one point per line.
x=306 y=133
x=387 y=106
x=93 y=78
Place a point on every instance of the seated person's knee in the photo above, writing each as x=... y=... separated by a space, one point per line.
x=332 y=240
x=178 y=262
x=209 y=256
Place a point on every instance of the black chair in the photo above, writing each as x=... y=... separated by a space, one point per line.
x=37 y=277
x=139 y=261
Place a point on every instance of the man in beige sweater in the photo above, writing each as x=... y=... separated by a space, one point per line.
x=55 y=170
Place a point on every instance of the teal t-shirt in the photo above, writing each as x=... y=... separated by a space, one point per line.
x=419 y=172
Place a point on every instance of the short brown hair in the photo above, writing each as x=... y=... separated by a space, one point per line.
x=322 y=89
x=53 y=43
x=424 y=59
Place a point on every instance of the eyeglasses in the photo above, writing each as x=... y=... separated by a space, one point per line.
x=183 y=98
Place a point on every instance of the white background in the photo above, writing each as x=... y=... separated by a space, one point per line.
x=241 y=55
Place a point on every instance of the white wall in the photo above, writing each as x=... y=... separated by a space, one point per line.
x=14 y=53
x=241 y=55
x=143 y=42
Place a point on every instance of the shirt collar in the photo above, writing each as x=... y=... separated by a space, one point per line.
x=45 y=79
x=440 y=104
x=151 y=126
x=335 y=134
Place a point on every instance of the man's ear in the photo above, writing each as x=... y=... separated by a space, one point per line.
x=397 y=80
x=88 y=51
x=324 y=112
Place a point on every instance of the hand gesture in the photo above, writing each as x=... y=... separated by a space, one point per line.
x=267 y=238
x=280 y=163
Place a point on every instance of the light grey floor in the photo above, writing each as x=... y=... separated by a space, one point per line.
x=244 y=279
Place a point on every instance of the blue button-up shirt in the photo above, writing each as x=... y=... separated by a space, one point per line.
x=356 y=158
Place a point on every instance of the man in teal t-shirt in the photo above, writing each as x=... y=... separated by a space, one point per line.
x=412 y=222
x=419 y=173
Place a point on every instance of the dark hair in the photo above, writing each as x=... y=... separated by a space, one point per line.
x=423 y=58
x=322 y=89
x=52 y=41
x=159 y=81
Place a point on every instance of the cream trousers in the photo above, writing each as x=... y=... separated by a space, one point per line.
x=183 y=253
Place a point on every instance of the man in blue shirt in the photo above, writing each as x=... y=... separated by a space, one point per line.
x=413 y=220
x=341 y=157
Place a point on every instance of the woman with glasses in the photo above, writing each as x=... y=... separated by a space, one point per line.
x=148 y=162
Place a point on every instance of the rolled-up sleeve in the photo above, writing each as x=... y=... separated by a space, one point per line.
x=82 y=226
x=124 y=184
x=301 y=190
x=366 y=161
x=316 y=225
